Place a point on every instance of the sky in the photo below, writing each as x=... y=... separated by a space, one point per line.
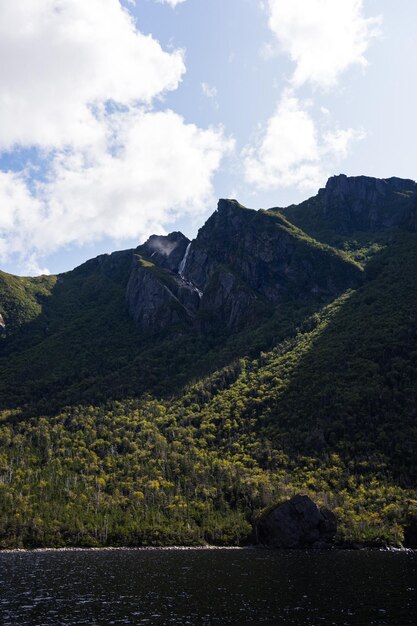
x=122 y=118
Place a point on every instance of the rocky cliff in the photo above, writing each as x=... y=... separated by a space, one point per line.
x=158 y=299
x=173 y=393
x=242 y=263
x=372 y=204
x=358 y=204
x=242 y=266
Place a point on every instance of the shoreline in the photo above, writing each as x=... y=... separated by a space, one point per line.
x=205 y=548
x=125 y=549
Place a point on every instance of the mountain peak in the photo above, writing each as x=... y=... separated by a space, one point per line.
x=165 y=250
x=363 y=203
x=366 y=187
x=228 y=205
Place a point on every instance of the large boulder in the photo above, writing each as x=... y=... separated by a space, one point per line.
x=410 y=534
x=297 y=523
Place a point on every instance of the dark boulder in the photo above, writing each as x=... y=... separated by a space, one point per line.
x=410 y=535
x=297 y=523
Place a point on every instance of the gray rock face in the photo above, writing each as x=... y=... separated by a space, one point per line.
x=298 y=523
x=165 y=251
x=262 y=253
x=2 y=324
x=370 y=204
x=157 y=300
x=226 y=299
x=242 y=262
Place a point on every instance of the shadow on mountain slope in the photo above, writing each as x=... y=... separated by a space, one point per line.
x=353 y=388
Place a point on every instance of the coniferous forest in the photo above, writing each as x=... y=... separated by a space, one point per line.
x=170 y=394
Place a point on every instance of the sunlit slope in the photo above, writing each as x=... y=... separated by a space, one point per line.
x=330 y=411
x=78 y=336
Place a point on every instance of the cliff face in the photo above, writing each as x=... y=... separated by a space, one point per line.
x=357 y=205
x=370 y=203
x=169 y=366
x=242 y=263
x=158 y=299
x=165 y=251
x=265 y=251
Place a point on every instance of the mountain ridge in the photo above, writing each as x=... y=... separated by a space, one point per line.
x=170 y=393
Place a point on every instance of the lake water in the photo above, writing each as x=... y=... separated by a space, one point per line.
x=208 y=587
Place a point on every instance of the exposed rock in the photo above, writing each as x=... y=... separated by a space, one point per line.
x=370 y=204
x=297 y=523
x=242 y=262
x=410 y=535
x=216 y=242
x=157 y=299
x=2 y=325
x=226 y=299
x=266 y=256
x=165 y=251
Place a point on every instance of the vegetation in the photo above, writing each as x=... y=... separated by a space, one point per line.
x=109 y=437
x=21 y=298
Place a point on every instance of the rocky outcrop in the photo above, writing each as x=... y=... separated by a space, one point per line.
x=265 y=252
x=410 y=535
x=165 y=251
x=370 y=204
x=242 y=262
x=226 y=299
x=297 y=523
x=157 y=299
x=2 y=325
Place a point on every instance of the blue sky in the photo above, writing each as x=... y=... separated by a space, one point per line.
x=121 y=119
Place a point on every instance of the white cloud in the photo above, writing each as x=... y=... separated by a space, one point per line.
x=17 y=205
x=290 y=150
x=210 y=92
x=79 y=86
x=338 y=142
x=160 y=167
x=67 y=57
x=32 y=267
x=322 y=37
x=172 y=3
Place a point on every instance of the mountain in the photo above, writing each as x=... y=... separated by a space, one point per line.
x=112 y=326
x=170 y=393
x=352 y=213
x=241 y=264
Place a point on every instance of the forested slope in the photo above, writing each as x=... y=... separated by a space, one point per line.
x=187 y=434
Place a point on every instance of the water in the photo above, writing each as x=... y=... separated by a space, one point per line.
x=208 y=587
x=184 y=261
